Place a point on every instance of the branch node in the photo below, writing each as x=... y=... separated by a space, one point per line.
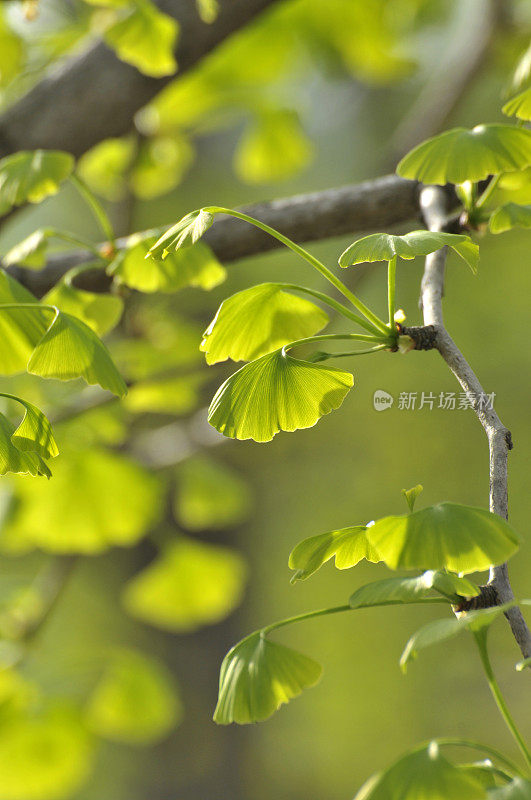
x=487 y=598
x=424 y=336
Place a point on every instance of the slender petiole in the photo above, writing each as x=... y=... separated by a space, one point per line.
x=329 y=301
x=354 y=352
x=375 y=321
x=67 y=237
x=481 y=201
x=391 y=290
x=484 y=748
x=325 y=337
x=96 y=207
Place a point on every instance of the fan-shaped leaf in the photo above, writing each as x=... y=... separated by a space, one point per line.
x=100 y=312
x=445 y=536
x=519 y=106
x=32 y=175
x=409 y=590
x=384 y=247
x=31 y=251
x=135 y=700
x=189 y=585
x=187 y=231
x=176 y=396
x=348 y=545
x=517 y=789
x=461 y=155
x=257 y=676
x=160 y=165
x=276 y=393
x=192 y=266
x=258 y=320
x=210 y=495
x=18 y=461
x=422 y=775
x=146 y=38
x=105 y=165
x=34 y=432
x=511 y=215
x=20 y=329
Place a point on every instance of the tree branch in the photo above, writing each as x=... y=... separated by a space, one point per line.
x=380 y=203
x=433 y=201
x=95 y=95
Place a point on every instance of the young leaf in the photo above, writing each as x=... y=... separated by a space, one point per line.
x=412 y=494
x=134 y=702
x=187 y=231
x=348 y=545
x=146 y=38
x=519 y=106
x=409 y=590
x=100 y=312
x=31 y=175
x=69 y=349
x=258 y=320
x=189 y=585
x=210 y=496
x=18 y=461
x=160 y=165
x=105 y=165
x=276 y=393
x=510 y=215
x=20 y=329
x=192 y=266
x=445 y=536
x=257 y=676
x=384 y=247
x=461 y=155
x=517 y=789
x=34 y=432
x=422 y=775
x=31 y=251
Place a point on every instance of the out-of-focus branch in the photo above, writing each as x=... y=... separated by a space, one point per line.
x=433 y=202
x=95 y=95
x=380 y=203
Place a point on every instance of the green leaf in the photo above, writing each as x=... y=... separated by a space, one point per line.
x=18 y=461
x=348 y=545
x=193 y=266
x=409 y=590
x=189 y=585
x=31 y=251
x=510 y=215
x=208 y=10
x=146 y=38
x=100 y=312
x=160 y=165
x=31 y=175
x=273 y=148
x=210 y=496
x=187 y=231
x=461 y=155
x=257 y=676
x=34 y=432
x=258 y=320
x=20 y=329
x=135 y=701
x=517 y=789
x=276 y=393
x=47 y=756
x=412 y=494
x=422 y=774
x=384 y=247
x=176 y=396
x=442 y=629
x=105 y=165
x=519 y=106
x=97 y=499
x=70 y=349
x=12 y=52
x=445 y=536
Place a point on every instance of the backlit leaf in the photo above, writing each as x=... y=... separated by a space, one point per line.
x=208 y=10
x=31 y=175
x=20 y=329
x=12 y=52
x=411 y=495
x=445 y=536
x=187 y=231
x=146 y=38
x=160 y=165
x=100 y=312
x=409 y=590
x=384 y=247
x=105 y=165
x=257 y=676
x=348 y=545
x=18 y=461
x=34 y=432
x=189 y=585
x=31 y=251
x=461 y=155
x=210 y=496
x=135 y=700
x=519 y=106
x=176 y=396
x=258 y=320
x=511 y=215
x=276 y=393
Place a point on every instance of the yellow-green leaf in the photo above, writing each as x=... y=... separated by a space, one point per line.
x=210 y=496
x=348 y=545
x=146 y=38
x=31 y=175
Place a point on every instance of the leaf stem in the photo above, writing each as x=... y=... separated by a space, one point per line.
x=96 y=207
x=481 y=641
x=391 y=290
x=481 y=201
x=329 y=301
x=325 y=337
x=375 y=321
x=327 y=356
x=449 y=742
x=67 y=237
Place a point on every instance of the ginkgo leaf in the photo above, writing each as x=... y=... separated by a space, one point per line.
x=510 y=215
x=100 y=312
x=519 y=106
x=160 y=165
x=187 y=231
x=442 y=629
x=190 y=584
x=257 y=676
x=276 y=393
x=461 y=155
x=210 y=496
x=445 y=536
x=20 y=329
x=518 y=789
x=348 y=545
x=384 y=247
x=411 y=495
x=105 y=165
x=258 y=320
x=18 y=461
x=70 y=349
x=192 y=266
x=32 y=175
x=31 y=251
x=176 y=396
x=422 y=774
x=146 y=38
x=409 y=590
x=135 y=700
x=34 y=432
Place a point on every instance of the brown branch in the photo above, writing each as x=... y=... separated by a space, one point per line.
x=380 y=203
x=433 y=202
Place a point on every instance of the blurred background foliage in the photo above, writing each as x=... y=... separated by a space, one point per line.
x=156 y=545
